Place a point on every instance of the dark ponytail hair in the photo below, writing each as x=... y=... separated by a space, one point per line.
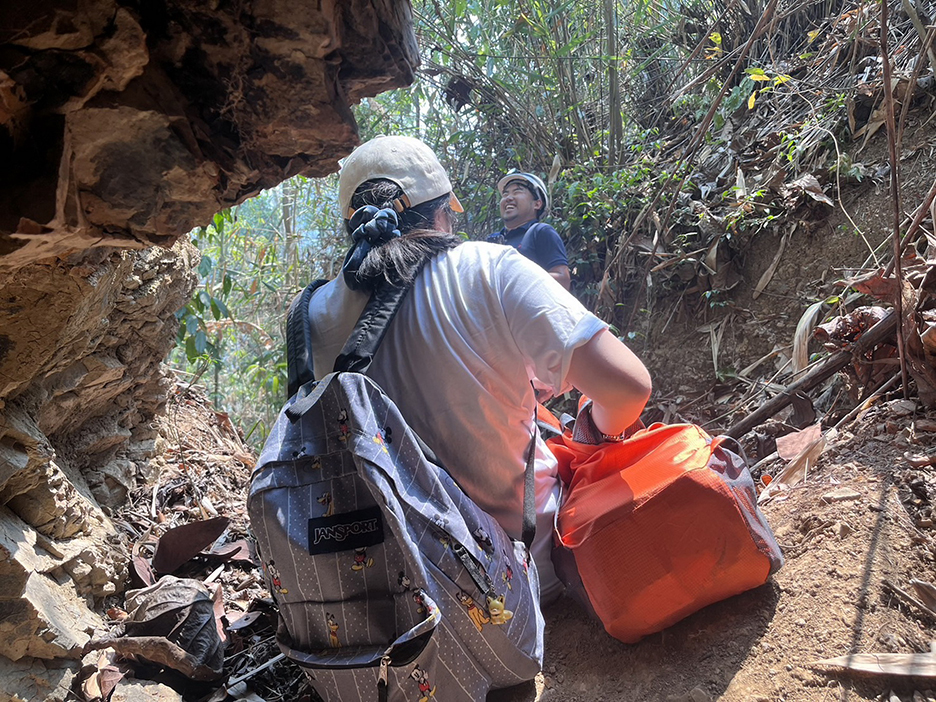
x=398 y=260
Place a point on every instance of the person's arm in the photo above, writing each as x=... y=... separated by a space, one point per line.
x=614 y=378
x=551 y=253
x=561 y=273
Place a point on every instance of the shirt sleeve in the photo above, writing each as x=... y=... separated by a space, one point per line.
x=550 y=251
x=546 y=322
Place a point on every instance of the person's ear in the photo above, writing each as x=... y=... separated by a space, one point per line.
x=442 y=222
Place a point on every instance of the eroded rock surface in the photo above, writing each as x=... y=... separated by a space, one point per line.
x=126 y=123
x=123 y=125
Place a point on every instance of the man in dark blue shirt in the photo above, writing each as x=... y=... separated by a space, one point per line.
x=523 y=200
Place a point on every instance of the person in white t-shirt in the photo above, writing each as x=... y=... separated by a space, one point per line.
x=479 y=323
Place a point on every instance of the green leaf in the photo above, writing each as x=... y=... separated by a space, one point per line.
x=215 y=309
x=201 y=342
x=227 y=284
x=224 y=308
x=190 y=351
x=205 y=266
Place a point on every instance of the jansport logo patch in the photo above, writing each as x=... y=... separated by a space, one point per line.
x=345 y=532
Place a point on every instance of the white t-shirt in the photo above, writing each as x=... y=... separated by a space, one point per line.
x=479 y=323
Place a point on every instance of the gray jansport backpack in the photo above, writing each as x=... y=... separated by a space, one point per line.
x=391 y=583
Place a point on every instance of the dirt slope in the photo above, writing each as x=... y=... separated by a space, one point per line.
x=851 y=526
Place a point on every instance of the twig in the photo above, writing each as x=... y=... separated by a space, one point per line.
x=907 y=598
x=250 y=673
x=832 y=364
x=921 y=30
x=895 y=195
x=912 y=85
x=864 y=404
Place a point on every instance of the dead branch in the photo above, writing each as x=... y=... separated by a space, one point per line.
x=834 y=363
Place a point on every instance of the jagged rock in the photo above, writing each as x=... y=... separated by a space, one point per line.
x=123 y=127
x=112 y=482
x=160 y=115
x=41 y=613
x=144 y=691
x=31 y=679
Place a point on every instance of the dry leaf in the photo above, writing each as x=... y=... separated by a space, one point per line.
x=179 y=545
x=795 y=471
x=101 y=682
x=804 y=331
x=217 y=594
x=174 y=616
x=767 y=275
x=926 y=592
x=809 y=184
x=876 y=285
x=791 y=445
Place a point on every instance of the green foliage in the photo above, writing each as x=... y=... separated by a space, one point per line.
x=579 y=92
x=255 y=258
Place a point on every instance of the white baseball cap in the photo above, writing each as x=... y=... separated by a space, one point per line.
x=406 y=161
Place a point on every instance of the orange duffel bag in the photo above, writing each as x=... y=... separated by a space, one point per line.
x=658 y=526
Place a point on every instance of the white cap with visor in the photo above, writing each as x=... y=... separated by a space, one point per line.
x=406 y=161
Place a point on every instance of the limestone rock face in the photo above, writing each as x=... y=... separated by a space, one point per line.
x=129 y=123
x=123 y=125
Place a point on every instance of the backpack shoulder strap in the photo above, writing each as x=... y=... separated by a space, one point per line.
x=371 y=327
x=359 y=349
x=299 y=369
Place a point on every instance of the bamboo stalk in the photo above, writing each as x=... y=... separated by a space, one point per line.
x=895 y=196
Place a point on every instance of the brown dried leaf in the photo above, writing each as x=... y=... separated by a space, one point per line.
x=103 y=679
x=768 y=274
x=237 y=551
x=179 y=545
x=804 y=332
x=809 y=184
x=841 y=332
x=217 y=594
x=876 y=285
x=144 y=575
x=796 y=470
x=179 y=611
x=791 y=445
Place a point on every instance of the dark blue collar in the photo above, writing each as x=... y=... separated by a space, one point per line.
x=519 y=231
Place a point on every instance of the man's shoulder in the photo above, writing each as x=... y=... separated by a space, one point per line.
x=543 y=229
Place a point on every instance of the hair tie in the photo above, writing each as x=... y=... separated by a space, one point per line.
x=370 y=227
